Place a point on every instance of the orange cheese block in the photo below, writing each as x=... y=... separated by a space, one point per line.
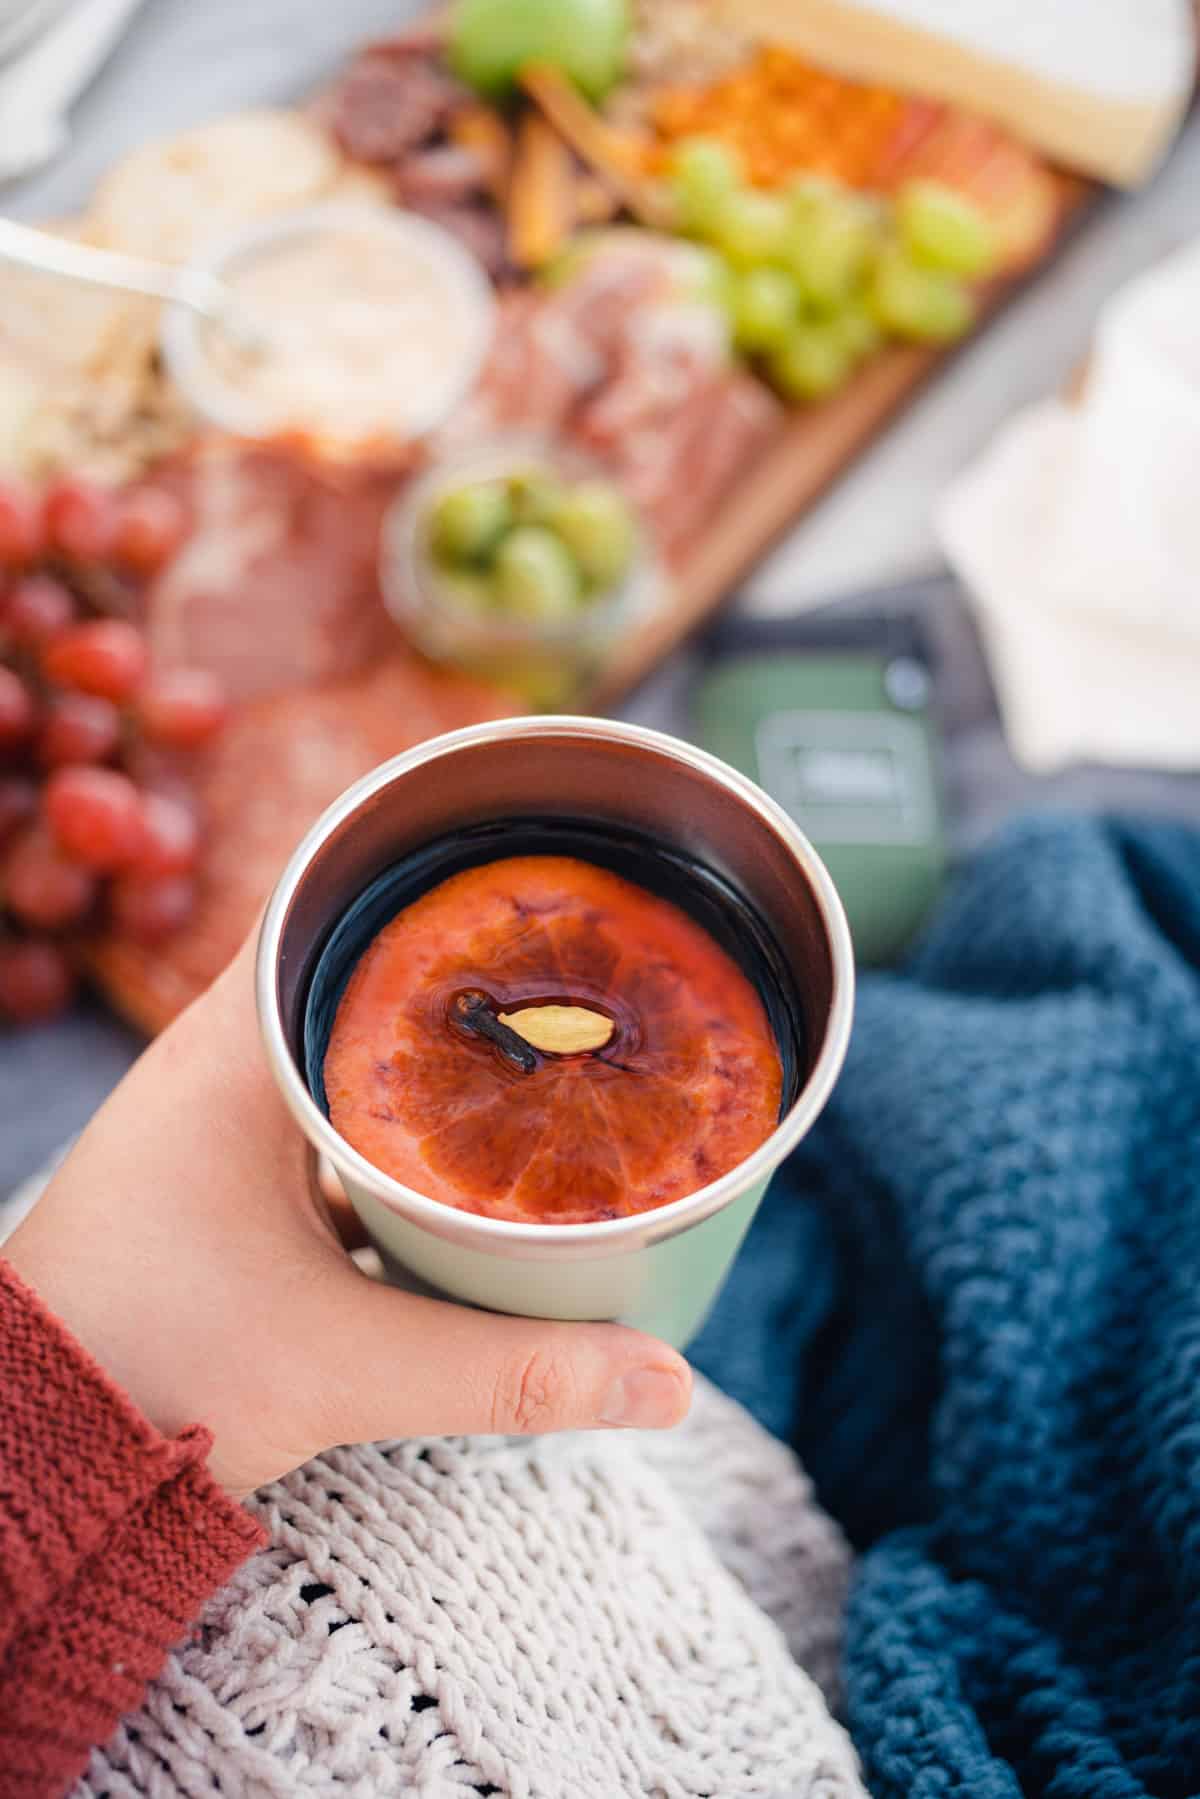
x=786 y=117
x=685 y=1087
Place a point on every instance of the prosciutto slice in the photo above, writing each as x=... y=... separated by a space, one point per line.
x=276 y=585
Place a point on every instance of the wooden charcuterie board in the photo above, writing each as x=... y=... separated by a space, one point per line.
x=362 y=720
x=341 y=692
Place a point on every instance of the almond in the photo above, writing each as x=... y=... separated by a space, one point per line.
x=560 y=1030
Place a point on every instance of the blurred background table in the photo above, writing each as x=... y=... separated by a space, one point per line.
x=181 y=63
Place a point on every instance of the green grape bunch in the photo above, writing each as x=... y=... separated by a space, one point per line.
x=816 y=277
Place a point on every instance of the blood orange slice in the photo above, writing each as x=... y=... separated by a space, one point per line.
x=433 y=1071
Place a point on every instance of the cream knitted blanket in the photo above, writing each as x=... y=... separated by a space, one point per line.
x=593 y=1616
x=601 y=1615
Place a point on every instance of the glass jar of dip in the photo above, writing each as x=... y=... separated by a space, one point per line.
x=374 y=325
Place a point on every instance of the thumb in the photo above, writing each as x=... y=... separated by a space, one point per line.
x=398 y=1365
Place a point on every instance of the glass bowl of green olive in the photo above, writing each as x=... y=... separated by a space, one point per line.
x=520 y=562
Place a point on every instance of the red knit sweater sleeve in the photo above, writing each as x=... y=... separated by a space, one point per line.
x=111 y=1538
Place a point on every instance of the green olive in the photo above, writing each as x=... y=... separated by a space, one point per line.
x=533 y=496
x=467 y=523
x=594 y=522
x=536 y=576
x=471 y=590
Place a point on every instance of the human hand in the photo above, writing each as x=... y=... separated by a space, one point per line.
x=183 y=1245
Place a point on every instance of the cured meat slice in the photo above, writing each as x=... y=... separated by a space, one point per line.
x=390 y=101
x=446 y=175
x=704 y=449
x=279 y=762
x=277 y=583
x=640 y=379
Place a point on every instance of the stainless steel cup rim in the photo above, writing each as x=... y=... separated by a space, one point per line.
x=558 y=1241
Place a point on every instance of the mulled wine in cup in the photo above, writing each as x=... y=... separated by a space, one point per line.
x=555 y=997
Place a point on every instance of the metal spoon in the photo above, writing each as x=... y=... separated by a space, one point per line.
x=197 y=289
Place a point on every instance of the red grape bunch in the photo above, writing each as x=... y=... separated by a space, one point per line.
x=82 y=843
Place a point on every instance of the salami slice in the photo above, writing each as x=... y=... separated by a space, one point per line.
x=276 y=584
x=279 y=762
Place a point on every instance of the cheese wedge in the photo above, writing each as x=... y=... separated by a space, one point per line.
x=1100 y=85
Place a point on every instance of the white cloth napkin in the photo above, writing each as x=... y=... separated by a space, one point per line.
x=38 y=87
x=22 y=20
x=1078 y=537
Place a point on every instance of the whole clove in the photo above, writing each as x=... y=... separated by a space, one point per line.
x=473 y=1011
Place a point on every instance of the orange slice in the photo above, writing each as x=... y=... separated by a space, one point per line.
x=684 y=1088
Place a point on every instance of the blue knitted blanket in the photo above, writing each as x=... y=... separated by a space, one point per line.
x=972 y=1302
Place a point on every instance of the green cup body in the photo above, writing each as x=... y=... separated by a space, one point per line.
x=666 y=1288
